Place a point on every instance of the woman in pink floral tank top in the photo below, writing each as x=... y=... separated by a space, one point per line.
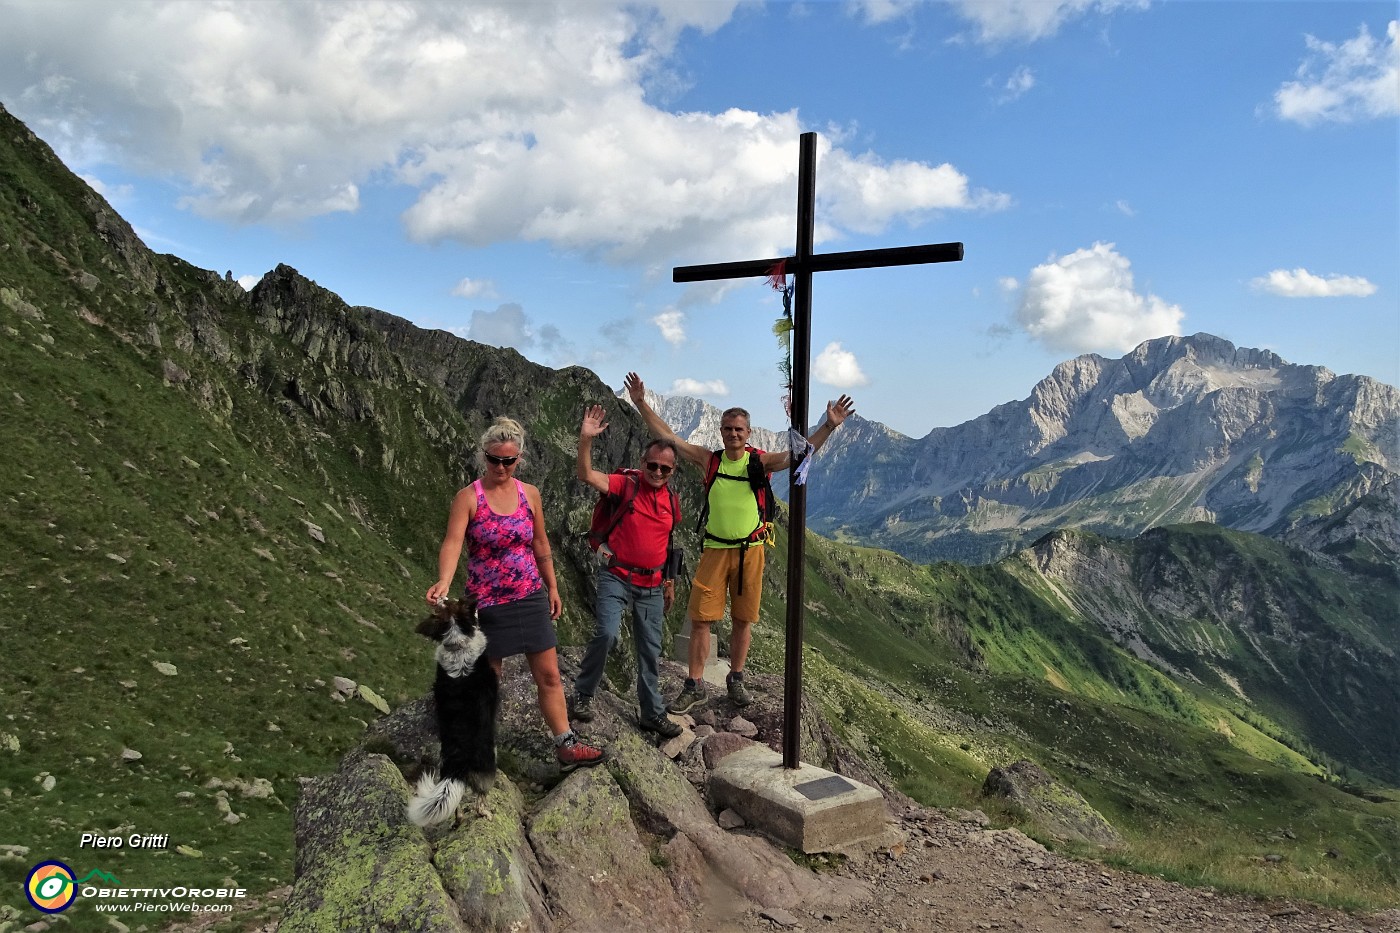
x=510 y=571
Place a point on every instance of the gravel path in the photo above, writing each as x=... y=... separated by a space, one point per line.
x=954 y=875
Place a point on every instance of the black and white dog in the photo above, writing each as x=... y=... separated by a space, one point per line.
x=467 y=695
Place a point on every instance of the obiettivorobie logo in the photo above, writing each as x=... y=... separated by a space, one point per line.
x=52 y=888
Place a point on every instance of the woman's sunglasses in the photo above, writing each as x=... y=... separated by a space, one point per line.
x=661 y=468
x=502 y=461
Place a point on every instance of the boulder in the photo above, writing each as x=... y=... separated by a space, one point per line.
x=490 y=870
x=361 y=865
x=599 y=865
x=629 y=845
x=1056 y=807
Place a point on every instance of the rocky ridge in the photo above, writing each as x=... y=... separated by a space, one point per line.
x=1260 y=624
x=633 y=845
x=628 y=845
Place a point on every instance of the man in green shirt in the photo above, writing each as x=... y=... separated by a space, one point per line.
x=729 y=569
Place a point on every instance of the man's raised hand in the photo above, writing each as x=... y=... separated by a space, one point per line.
x=635 y=389
x=594 y=422
x=839 y=410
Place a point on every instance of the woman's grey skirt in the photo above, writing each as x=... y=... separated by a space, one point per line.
x=519 y=627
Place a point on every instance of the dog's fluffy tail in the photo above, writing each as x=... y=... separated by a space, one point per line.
x=434 y=799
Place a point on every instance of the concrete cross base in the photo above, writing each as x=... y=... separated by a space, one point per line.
x=806 y=807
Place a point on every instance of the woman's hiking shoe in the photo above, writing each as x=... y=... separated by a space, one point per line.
x=575 y=754
x=661 y=725
x=583 y=709
x=692 y=696
x=739 y=694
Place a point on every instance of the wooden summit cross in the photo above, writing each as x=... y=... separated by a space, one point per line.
x=802 y=265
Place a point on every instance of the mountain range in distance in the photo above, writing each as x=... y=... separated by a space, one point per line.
x=1181 y=429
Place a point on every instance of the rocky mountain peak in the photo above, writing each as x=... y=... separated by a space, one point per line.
x=1180 y=429
x=698 y=421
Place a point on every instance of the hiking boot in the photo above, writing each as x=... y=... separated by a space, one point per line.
x=575 y=754
x=583 y=709
x=662 y=726
x=739 y=694
x=689 y=698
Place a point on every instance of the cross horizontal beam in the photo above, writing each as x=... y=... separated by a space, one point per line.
x=822 y=262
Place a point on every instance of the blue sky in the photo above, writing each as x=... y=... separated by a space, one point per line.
x=526 y=174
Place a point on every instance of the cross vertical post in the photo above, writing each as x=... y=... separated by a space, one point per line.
x=799 y=397
x=801 y=266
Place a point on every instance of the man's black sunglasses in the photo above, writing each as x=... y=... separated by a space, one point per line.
x=502 y=461
x=661 y=468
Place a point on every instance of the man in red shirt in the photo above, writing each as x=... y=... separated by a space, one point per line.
x=634 y=555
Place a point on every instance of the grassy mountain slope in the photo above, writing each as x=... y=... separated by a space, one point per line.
x=217 y=502
x=249 y=488
x=1267 y=629
x=939 y=672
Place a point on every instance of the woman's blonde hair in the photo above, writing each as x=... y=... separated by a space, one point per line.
x=502 y=431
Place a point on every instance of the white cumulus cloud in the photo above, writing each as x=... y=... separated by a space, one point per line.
x=838 y=367
x=695 y=387
x=475 y=288
x=863 y=193
x=510 y=121
x=1000 y=21
x=671 y=323
x=882 y=11
x=1021 y=81
x=1086 y=302
x=1358 y=79
x=1300 y=283
x=507 y=326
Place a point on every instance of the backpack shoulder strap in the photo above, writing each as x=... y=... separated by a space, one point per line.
x=712 y=468
x=626 y=501
x=675 y=509
x=758 y=476
x=711 y=471
x=629 y=493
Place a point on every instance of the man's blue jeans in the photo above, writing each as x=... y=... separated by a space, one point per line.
x=614 y=596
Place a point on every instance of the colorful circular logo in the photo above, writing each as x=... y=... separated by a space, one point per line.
x=50 y=887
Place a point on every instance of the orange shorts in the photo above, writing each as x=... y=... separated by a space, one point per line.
x=717 y=578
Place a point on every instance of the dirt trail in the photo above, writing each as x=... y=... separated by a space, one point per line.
x=954 y=875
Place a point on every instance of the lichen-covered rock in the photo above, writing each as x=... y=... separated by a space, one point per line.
x=489 y=869
x=664 y=802
x=600 y=868
x=630 y=845
x=361 y=865
x=1058 y=808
